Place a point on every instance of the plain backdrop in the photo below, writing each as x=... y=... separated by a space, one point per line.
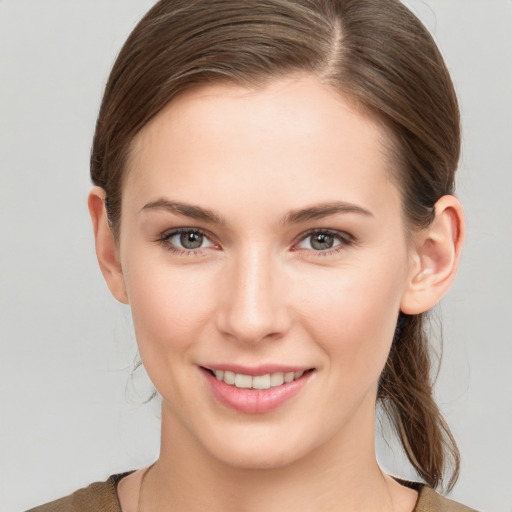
x=70 y=413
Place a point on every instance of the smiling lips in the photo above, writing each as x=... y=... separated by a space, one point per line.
x=258 y=393
x=269 y=380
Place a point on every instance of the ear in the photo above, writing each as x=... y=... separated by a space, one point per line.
x=435 y=259
x=107 y=250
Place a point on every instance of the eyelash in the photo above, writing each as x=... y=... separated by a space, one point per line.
x=345 y=239
x=164 y=240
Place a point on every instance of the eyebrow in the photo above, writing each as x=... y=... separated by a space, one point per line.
x=187 y=210
x=317 y=211
x=322 y=210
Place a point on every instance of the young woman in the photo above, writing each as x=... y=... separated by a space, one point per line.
x=274 y=200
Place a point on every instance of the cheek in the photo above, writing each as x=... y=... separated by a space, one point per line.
x=170 y=310
x=169 y=306
x=352 y=313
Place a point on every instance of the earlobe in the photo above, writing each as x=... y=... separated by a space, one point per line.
x=107 y=250
x=436 y=257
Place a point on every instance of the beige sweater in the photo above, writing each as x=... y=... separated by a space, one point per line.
x=102 y=497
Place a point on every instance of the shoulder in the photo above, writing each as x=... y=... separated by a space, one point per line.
x=97 y=497
x=431 y=501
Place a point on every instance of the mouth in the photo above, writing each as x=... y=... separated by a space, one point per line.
x=260 y=382
x=256 y=391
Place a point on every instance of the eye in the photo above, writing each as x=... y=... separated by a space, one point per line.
x=325 y=241
x=185 y=240
x=188 y=239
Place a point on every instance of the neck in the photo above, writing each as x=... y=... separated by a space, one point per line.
x=342 y=474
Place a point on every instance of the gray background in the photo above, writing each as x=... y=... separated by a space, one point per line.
x=70 y=414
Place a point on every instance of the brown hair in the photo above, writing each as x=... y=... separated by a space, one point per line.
x=374 y=52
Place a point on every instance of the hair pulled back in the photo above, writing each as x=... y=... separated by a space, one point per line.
x=378 y=55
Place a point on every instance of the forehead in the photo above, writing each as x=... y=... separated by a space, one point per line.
x=293 y=137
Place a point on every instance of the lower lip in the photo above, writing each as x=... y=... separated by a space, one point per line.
x=254 y=401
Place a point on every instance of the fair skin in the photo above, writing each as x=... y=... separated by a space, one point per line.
x=250 y=288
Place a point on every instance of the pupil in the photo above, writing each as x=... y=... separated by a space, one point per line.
x=191 y=240
x=322 y=241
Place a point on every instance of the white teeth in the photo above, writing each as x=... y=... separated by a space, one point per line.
x=229 y=378
x=269 y=380
x=261 y=381
x=277 y=379
x=289 y=376
x=243 y=381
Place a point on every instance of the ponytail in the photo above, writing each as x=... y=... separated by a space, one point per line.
x=405 y=392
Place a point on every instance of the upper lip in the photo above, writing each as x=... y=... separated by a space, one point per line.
x=263 y=369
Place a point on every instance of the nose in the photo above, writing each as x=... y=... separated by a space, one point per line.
x=252 y=304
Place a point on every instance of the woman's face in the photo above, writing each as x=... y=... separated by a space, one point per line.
x=262 y=237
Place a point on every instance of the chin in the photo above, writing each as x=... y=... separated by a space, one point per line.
x=260 y=459
x=258 y=448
